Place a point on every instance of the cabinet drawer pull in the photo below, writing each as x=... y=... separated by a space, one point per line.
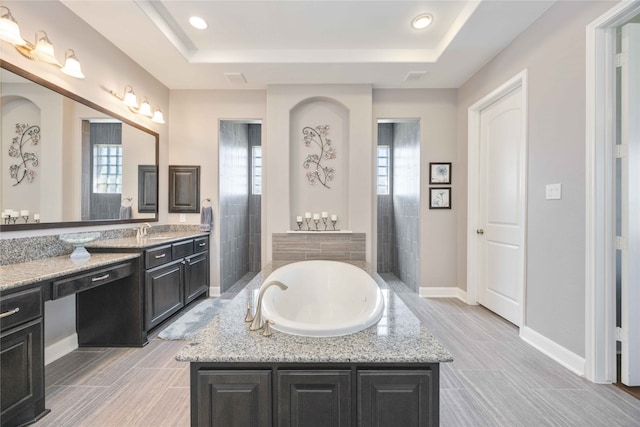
x=160 y=256
x=97 y=279
x=202 y=244
x=10 y=312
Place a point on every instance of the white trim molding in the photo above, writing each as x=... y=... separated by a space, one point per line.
x=473 y=149
x=443 y=292
x=600 y=192
x=565 y=357
x=214 y=291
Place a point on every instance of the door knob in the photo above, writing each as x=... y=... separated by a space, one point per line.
x=479 y=231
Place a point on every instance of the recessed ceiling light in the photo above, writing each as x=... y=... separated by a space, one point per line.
x=197 y=22
x=421 y=22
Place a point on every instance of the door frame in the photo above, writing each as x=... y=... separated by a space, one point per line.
x=600 y=266
x=473 y=197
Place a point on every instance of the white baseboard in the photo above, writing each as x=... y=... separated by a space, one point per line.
x=443 y=292
x=55 y=351
x=566 y=358
x=214 y=291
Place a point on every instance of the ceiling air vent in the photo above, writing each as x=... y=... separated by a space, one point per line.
x=414 y=76
x=235 y=78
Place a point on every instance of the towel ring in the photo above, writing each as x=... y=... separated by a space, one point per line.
x=207 y=200
x=125 y=200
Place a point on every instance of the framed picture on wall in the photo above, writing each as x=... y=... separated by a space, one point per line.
x=439 y=173
x=440 y=198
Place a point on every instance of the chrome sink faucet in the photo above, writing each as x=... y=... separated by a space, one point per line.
x=257 y=322
x=142 y=231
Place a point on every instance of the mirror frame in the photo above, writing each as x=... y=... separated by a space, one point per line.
x=64 y=224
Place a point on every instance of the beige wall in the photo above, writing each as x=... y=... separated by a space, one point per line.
x=553 y=51
x=195 y=117
x=436 y=110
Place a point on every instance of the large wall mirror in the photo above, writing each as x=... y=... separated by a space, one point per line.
x=68 y=162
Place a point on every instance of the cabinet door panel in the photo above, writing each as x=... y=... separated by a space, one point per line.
x=398 y=398
x=196 y=276
x=21 y=365
x=233 y=399
x=314 y=399
x=164 y=292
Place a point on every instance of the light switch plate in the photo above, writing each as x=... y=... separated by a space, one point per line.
x=554 y=191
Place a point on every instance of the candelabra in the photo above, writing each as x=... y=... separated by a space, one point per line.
x=316 y=220
x=299 y=222
x=333 y=222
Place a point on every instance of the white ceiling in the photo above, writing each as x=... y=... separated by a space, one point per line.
x=309 y=42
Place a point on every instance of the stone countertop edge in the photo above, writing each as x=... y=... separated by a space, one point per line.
x=153 y=239
x=26 y=273
x=399 y=337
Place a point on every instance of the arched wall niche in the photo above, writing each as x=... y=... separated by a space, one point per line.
x=333 y=197
x=20 y=111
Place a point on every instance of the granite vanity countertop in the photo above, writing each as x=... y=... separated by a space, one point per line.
x=152 y=239
x=26 y=273
x=399 y=337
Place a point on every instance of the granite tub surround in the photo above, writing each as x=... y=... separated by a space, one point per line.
x=26 y=273
x=398 y=337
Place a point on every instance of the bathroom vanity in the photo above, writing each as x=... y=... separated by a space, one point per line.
x=386 y=375
x=126 y=288
x=174 y=269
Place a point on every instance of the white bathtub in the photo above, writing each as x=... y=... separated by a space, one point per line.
x=323 y=299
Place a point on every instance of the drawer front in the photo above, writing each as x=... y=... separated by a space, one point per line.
x=157 y=256
x=182 y=249
x=20 y=307
x=201 y=244
x=75 y=284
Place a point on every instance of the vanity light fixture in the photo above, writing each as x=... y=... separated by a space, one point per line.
x=158 y=117
x=9 y=29
x=42 y=50
x=72 y=65
x=422 y=21
x=144 y=108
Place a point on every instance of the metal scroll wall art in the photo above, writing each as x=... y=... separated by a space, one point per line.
x=26 y=160
x=318 y=172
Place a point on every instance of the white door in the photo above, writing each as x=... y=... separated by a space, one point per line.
x=501 y=207
x=630 y=204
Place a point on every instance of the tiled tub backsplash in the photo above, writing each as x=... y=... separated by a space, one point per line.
x=310 y=246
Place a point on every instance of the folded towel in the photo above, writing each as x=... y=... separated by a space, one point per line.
x=125 y=212
x=206 y=218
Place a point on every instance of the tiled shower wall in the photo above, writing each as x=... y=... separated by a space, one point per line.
x=239 y=209
x=399 y=213
x=255 y=201
x=234 y=202
x=385 y=209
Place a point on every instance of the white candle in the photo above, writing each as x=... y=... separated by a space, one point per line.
x=4 y=215
x=325 y=214
x=36 y=217
x=24 y=213
x=334 y=217
x=307 y=215
x=298 y=218
x=15 y=213
x=316 y=216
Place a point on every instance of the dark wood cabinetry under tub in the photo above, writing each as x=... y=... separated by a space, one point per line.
x=308 y=395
